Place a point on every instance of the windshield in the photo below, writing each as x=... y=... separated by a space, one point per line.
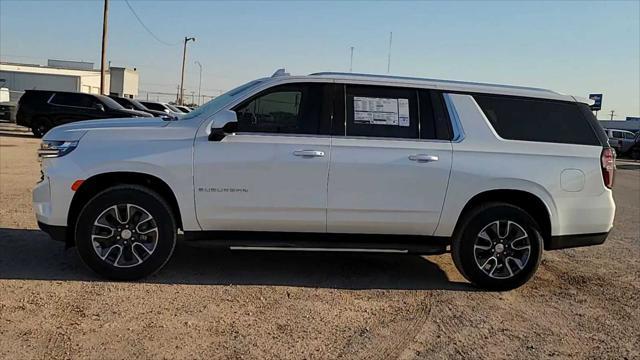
x=109 y=102
x=215 y=104
x=174 y=109
x=138 y=105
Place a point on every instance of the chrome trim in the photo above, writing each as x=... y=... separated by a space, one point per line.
x=352 y=137
x=456 y=125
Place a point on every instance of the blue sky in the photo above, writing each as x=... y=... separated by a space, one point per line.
x=572 y=47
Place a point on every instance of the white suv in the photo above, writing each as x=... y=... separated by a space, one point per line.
x=330 y=161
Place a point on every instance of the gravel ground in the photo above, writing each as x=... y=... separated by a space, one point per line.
x=206 y=303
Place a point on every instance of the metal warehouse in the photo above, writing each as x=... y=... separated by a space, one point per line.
x=68 y=76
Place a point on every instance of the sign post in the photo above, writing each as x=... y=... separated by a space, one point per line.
x=597 y=105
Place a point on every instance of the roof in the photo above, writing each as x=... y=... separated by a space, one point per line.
x=451 y=85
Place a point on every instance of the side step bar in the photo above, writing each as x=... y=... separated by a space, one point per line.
x=277 y=241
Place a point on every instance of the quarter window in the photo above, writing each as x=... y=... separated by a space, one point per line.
x=537 y=120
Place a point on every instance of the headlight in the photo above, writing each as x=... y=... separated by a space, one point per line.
x=53 y=149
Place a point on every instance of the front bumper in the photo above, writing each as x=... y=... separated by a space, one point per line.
x=58 y=233
x=571 y=241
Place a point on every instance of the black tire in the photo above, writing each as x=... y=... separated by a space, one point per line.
x=40 y=126
x=483 y=219
x=101 y=207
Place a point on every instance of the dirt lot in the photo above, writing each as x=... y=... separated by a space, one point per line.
x=582 y=303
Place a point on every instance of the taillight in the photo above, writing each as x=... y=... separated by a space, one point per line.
x=608 y=163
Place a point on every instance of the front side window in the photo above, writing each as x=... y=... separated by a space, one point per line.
x=277 y=112
x=286 y=109
x=629 y=135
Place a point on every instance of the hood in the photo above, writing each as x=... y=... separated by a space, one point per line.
x=75 y=130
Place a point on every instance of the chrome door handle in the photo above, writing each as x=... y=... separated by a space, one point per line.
x=309 y=153
x=423 y=158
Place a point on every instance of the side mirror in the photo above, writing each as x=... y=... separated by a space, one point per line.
x=224 y=123
x=99 y=107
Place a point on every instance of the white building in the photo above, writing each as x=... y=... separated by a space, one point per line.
x=68 y=76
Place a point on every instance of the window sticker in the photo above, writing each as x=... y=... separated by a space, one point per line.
x=381 y=111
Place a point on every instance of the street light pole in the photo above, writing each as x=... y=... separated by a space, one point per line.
x=184 y=58
x=199 y=83
x=105 y=19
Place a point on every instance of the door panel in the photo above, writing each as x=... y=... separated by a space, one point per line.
x=262 y=183
x=272 y=174
x=374 y=186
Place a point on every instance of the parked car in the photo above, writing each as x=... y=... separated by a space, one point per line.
x=493 y=174
x=621 y=140
x=134 y=104
x=158 y=106
x=634 y=152
x=182 y=108
x=41 y=110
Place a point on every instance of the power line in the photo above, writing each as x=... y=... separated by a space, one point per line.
x=146 y=28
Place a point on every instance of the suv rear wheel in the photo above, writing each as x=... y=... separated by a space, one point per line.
x=126 y=232
x=498 y=246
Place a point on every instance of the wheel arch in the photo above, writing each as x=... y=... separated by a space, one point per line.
x=525 y=200
x=99 y=182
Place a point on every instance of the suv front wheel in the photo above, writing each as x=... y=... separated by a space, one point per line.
x=498 y=246
x=126 y=232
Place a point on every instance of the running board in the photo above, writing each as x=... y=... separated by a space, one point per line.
x=319 y=242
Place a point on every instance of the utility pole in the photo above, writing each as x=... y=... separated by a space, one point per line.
x=184 y=58
x=351 y=61
x=199 y=82
x=103 y=58
x=611 y=113
x=389 y=58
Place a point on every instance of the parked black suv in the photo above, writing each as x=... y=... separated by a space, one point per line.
x=133 y=104
x=42 y=110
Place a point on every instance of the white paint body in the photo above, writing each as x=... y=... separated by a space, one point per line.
x=358 y=185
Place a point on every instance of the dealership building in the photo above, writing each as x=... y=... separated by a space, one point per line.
x=63 y=75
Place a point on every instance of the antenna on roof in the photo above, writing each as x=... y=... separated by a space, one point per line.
x=280 y=72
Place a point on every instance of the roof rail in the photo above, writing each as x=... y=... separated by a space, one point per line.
x=280 y=72
x=427 y=79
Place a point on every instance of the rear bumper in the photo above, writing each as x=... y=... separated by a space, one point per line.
x=58 y=233
x=570 y=241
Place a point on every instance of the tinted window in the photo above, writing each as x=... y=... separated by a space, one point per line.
x=537 y=120
x=617 y=134
x=123 y=102
x=154 y=106
x=382 y=112
x=629 y=136
x=71 y=99
x=288 y=109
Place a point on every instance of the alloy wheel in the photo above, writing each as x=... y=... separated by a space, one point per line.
x=124 y=235
x=502 y=249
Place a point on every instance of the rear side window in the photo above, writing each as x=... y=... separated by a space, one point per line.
x=382 y=112
x=537 y=120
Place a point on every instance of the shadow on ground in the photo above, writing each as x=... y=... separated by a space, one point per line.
x=32 y=255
